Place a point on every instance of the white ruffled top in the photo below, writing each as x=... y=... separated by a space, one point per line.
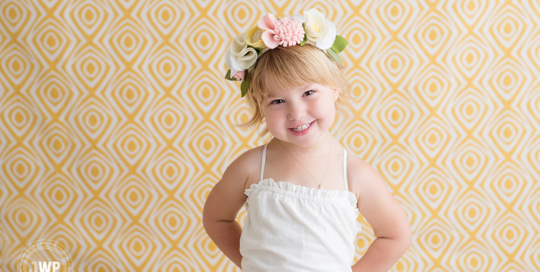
x=286 y=188
x=297 y=228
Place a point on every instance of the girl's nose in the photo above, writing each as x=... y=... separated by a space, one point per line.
x=296 y=111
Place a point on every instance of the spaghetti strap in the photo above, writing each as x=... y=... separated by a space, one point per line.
x=263 y=161
x=345 y=169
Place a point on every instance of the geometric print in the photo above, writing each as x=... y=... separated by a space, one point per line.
x=116 y=123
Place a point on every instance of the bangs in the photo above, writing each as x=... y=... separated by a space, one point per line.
x=286 y=68
x=275 y=82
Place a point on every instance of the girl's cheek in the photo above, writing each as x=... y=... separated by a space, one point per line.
x=321 y=104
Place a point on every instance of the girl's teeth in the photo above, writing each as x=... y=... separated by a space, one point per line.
x=302 y=128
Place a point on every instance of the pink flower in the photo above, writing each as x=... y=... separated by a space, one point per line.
x=284 y=32
x=240 y=75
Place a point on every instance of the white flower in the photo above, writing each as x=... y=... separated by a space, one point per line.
x=239 y=57
x=298 y=18
x=320 y=31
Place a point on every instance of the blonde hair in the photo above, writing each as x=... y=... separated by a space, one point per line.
x=286 y=68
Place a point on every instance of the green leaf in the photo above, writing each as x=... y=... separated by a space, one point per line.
x=228 y=76
x=245 y=84
x=305 y=36
x=334 y=55
x=339 y=44
x=259 y=51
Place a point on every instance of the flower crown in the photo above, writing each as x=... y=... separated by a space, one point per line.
x=312 y=28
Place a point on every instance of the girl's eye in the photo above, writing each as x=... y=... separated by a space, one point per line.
x=282 y=99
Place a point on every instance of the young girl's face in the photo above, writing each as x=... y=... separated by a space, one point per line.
x=312 y=103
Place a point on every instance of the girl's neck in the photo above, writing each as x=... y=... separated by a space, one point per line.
x=319 y=148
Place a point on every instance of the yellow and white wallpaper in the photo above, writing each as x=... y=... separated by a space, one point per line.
x=116 y=122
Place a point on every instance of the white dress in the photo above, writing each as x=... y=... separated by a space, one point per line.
x=290 y=227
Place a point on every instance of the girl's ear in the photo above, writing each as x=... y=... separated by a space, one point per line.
x=336 y=94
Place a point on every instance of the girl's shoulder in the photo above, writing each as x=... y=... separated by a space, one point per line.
x=359 y=173
x=253 y=159
x=247 y=165
x=365 y=181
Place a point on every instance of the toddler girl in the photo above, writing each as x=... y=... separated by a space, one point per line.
x=302 y=191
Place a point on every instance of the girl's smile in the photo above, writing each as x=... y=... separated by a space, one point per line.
x=301 y=130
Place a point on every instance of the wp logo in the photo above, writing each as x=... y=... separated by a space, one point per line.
x=44 y=256
x=46 y=266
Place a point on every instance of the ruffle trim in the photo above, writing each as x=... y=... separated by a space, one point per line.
x=290 y=189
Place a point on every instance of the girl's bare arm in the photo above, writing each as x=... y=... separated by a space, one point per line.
x=385 y=215
x=222 y=206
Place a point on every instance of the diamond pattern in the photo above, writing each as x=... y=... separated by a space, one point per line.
x=116 y=123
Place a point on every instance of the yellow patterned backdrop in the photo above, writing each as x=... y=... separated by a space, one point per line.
x=116 y=122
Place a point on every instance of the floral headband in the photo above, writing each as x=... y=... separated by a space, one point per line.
x=312 y=28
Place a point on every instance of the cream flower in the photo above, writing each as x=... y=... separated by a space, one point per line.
x=239 y=57
x=320 y=31
x=232 y=64
x=254 y=37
